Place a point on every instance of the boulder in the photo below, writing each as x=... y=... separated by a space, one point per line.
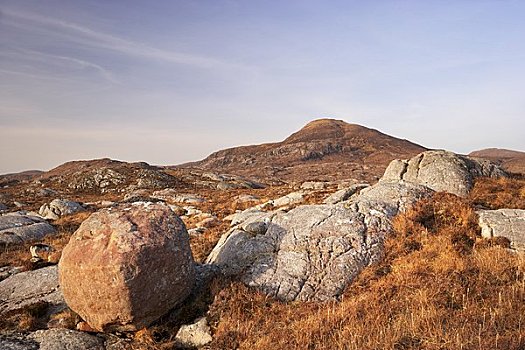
x=194 y=335
x=310 y=253
x=30 y=287
x=508 y=223
x=344 y=194
x=127 y=266
x=313 y=251
x=442 y=171
x=58 y=208
x=66 y=339
x=3 y=208
x=17 y=228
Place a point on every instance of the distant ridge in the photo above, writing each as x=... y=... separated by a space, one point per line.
x=324 y=149
x=510 y=160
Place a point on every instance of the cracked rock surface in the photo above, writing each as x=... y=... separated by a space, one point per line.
x=442 y=171
x=27 y=288
x=66 y=339
x=313 y=251
x=508 y=223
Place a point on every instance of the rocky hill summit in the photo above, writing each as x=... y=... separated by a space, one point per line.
x=325 y=149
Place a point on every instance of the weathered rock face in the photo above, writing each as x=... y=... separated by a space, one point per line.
x=17 y=228
x=58 y=208
x=126 y=266
x=442 y=171
x=397 y=196
x=312 y=252
x=508 y=223
x=66 y=339
x=17 y=342
x=26 y=288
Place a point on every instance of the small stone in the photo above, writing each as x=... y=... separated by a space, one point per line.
x=196 y=231
x=194 y=335
x=85 y=327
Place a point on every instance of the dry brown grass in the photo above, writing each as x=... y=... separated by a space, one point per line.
x=499 y=193
x=19 y=255
x=438 y=287
x=28 y=318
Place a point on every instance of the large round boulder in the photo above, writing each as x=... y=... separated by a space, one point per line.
x=126 y=266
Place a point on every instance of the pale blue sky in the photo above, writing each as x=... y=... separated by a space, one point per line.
x=172 y=81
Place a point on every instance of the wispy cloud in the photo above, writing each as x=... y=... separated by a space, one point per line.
x=20 y=55
x=87 y=36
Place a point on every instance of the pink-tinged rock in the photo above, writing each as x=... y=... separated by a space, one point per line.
x=127 y=266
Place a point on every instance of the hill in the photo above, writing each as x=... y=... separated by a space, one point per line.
x=325 y=149
x=510 y=160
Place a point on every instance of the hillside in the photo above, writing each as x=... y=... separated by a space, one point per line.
x=510 y=160
x=325 y=149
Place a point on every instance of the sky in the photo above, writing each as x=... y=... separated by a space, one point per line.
x=168 y=82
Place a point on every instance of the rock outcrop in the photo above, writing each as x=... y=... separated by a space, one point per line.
x=442 y=171
x=508 y=223
x=27 y=288
x=18 y=228
x=126 y=266
x=314 y=251
x=58 y=208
